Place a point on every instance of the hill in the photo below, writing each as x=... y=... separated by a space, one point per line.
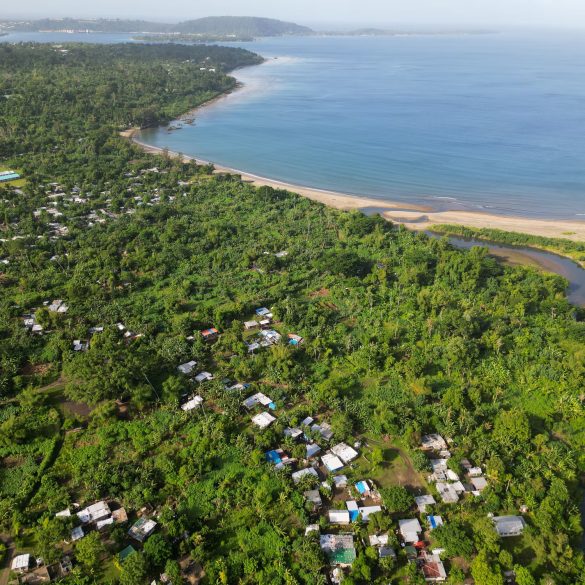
x=85 y=24
x=242 y=25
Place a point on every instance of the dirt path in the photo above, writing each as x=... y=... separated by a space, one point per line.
x=10 y=549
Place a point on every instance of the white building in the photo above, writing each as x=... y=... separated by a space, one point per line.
x=344 y=452
x=410 y=530
x=509 y=525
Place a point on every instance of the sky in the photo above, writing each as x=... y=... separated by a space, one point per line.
x=440 y=13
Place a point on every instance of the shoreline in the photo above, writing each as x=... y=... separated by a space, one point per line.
x=411 y=216
x=415 y=217
x=342 y=201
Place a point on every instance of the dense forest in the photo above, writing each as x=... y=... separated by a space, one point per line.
x=115 y=266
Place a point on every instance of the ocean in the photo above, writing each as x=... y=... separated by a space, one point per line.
x=486 y=122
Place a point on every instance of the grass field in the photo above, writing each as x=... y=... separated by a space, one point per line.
x=397 y=468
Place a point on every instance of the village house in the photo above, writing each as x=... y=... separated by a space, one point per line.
x=365 y=512
x=433 y=442
x=187 y=367
x=312 y=450
x=410 y=530
x=332 y=462
x=292 y=432
x=338 y=548
x=314 y=497
x=434 y=521
x=509 y=525
x=450 y=492
x=142 y=529
x=79 y=345
x=21 y=563
x=324 y=429
x=339 y=517
x=203 y=377
x=259 y=398
x=264 y=313
x=57 y=306
x=269 y=337
x=209 y=334
x=344 y=452
x=263 y=420
x=193 y=403
x=297 y=476
x=423 y=501
x=432 y=568
x=95 y=512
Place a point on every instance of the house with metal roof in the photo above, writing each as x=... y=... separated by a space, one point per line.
x=433 y=569
x=203 y=377
x=187 y=367
x=353 y=510
x=297 y=476
x=344 y=452
x=410 y=530
x=192 y=403
x=331 y=462
x=142 y=529
x=314 y=497
x=6 y=176
x=509 y=525
x=339 y=517
x=263 y=420
x=125 y=553
x=95 y=512
x=77 y=533
x=423 y=501
x=339 y=548
x=433 y=442
x=21 y=563
x=365 y=512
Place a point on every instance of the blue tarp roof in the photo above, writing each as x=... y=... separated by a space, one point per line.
x=273 y=457
x=362 y=487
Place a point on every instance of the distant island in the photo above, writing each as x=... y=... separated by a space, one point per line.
x=208 y=29
x=222 y=27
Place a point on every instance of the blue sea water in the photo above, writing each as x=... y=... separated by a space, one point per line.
x=485 y=122
x=492 y=122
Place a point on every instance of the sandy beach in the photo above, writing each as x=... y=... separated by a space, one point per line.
x=415 y=217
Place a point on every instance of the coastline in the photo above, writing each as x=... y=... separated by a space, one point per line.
x=414 y=217
x=334 y=199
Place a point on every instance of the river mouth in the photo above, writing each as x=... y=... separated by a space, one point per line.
x=526 y=256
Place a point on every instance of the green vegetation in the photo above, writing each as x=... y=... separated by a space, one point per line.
x=564 y=247
x=249 y=26
x=403 y=335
